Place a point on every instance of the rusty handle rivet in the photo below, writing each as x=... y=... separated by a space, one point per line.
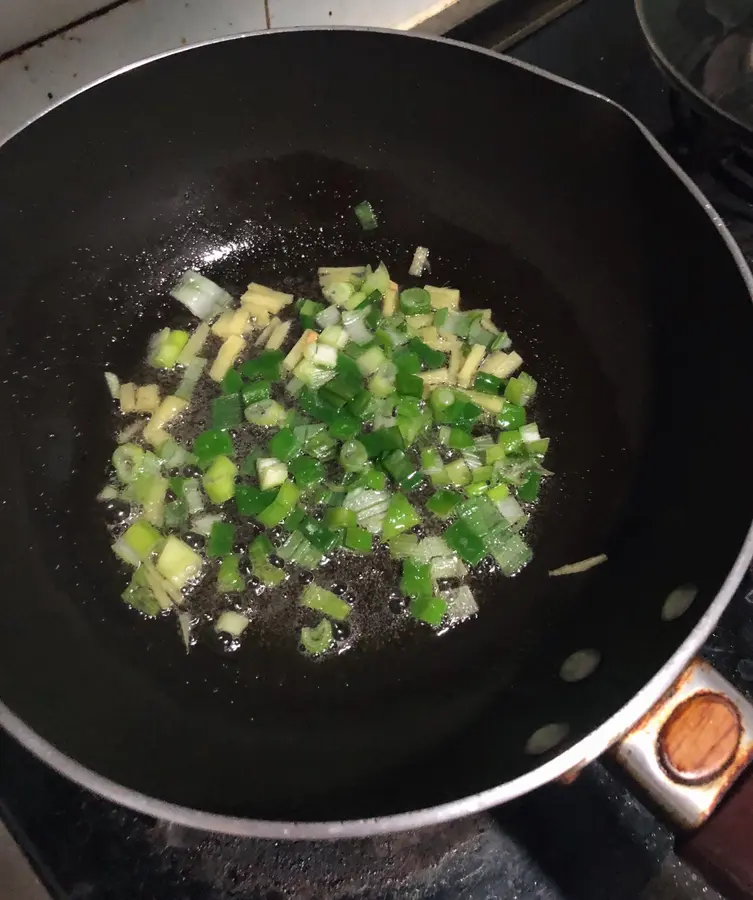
x=699 y=740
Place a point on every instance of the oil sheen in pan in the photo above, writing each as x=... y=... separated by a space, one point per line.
x=370 y=582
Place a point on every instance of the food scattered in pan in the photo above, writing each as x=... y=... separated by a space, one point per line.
x=285 y=439
x=582 y=565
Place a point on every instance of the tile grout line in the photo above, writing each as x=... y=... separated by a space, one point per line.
x=95 y=14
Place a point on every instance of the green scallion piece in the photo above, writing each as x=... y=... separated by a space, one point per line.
x=428 y=609
x=229 y=578
x=317 y=640
x=325 y=601
x=415 y=302
x=226 y=412
x=443 y=502
x=353 y=456
x=221 y=539
x=365 y=215
x=358 y=539
x=210 y=444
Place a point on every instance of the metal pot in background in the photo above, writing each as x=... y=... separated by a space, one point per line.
x=705 y=48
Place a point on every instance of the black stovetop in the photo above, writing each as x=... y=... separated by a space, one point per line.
x=589 y=841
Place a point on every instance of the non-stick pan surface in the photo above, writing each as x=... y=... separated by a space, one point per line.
x=244 y=158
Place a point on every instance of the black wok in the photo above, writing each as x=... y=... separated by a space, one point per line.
x=625 y=293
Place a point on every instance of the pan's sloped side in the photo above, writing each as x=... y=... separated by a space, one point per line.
x=548 y=204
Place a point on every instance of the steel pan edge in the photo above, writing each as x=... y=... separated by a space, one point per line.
x=584 y=751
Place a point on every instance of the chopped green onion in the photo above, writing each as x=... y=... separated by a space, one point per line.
x=420 y=261
x=140 y=538
x=221 y=539
x=229 y=578
x=194 y=371
x=429 y=609
x=464 y=542
x=520 y=390
x=285 y=445
x=415 y=301
x=167 y=348
x=358 y=539
x=306 y=471
x=402 y=470
x=488 y=384
x=265 y=366
x=281 y=507
x=324 y=601
x=317 y=640
x=219 y=479
x=365 y=215
x=415 y=581
x=353 y=456
x=201 y=296
x=232 y=382
x=400 y=516
x=272 y=473
x=377 y=280
x=338 y=517
x=256 y=392
x=511 y=417
x=128 y=460
x=231 y=623
x=529 y=491
x=267 y=413
x=513 y=554
x=178 y=563
x=210 y=444
x=226 y=412
x=369 y=361
x=139 y=595
x=258 y=554
x=443 y=503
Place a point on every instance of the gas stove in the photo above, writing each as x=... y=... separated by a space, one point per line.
x=589 y=841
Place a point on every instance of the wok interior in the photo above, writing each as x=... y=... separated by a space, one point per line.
x=544 y=203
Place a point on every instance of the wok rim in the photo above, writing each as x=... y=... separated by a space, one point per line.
x=589 y=748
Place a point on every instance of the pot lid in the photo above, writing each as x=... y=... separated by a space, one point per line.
x=707 y=45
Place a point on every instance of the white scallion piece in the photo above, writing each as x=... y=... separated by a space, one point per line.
x=530 y=433
x=201 y=296
x=461 y=604
x=271 y=472
x=582 y=566
x=321 y=355
x=330 y=315
x=232 y=623
x=203 y=524
x=191 y=377
x=420 y=262
x=113 y=385
x=130 y=432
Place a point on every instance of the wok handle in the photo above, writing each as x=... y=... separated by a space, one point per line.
x=722 y=849
x=690 y=754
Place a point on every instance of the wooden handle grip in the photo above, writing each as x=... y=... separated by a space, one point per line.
x=722 y=849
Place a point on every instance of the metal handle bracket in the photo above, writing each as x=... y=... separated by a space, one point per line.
x=688 y=750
